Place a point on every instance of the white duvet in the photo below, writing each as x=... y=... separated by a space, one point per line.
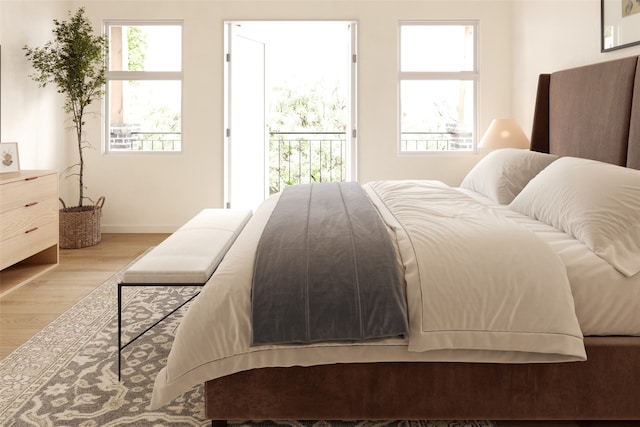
x=480 y=288
x=606 y=300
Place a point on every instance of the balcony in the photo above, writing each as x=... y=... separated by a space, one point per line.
x=436 y=141
x=306 y=157
x=128 y=137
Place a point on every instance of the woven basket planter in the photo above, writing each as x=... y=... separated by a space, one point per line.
x=80 y=225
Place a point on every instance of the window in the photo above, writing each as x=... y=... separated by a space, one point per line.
x=438 y=78
x=143 y=101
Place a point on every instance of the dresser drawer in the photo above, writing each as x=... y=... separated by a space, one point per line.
x=36 y=214
x=24 y=245
x=29 y=190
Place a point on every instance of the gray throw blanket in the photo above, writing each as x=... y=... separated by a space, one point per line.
x=326 y=270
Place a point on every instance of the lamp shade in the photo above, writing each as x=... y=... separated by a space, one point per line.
x=504 y=133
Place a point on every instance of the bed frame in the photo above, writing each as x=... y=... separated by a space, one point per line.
x=591 y=112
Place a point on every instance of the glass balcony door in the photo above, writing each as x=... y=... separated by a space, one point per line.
x=245 y=134
x=290 y=115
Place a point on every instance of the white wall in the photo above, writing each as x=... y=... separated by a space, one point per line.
x=147 y=193
x=551 y=35
x=31 y=116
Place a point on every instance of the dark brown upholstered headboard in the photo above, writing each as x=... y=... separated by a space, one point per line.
x=591 y=112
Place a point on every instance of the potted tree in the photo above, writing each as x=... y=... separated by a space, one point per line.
x=75 y=62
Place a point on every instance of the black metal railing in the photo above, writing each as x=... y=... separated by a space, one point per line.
x=306 y=157
x=130 y=138
x=436 y=141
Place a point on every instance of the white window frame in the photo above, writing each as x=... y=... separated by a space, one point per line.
x=142 y=76
x=473 y=76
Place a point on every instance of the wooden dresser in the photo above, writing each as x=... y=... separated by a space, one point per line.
x=28 y=226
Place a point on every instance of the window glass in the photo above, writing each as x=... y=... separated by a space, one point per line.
x=150 y=115
x=145 y=47
x=436 y=48
x=144 y=90
x=437 y=85
x=436 y=115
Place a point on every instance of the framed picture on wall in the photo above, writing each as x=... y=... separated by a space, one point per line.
x=9 y=157
x=620 y=24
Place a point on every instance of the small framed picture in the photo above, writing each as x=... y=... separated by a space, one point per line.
x=620 y=24
x=9 y=157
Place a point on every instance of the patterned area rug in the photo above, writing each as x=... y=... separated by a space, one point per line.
x=66 y=375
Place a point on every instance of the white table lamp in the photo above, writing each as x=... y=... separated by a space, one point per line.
x=504 y=133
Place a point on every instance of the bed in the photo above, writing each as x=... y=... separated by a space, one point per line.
x=586 y=117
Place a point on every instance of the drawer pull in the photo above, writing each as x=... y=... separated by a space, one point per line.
x=30 y=204
x=30 y=230
x=31 y=178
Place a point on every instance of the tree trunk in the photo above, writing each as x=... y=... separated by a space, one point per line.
x=78 y=121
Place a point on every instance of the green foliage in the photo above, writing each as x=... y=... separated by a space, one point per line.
x=306 y=159
x=312 y=157
x=165 y=119
x=137 y=46
x=307 y=108
x=75 y=62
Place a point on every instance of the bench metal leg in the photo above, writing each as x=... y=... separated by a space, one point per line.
x=119 y=328
x=161 y=319
x=120 y=285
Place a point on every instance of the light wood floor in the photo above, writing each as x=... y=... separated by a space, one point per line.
x=26 y=310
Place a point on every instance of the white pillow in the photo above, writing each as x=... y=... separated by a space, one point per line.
x=502 y=174
x=596 y=203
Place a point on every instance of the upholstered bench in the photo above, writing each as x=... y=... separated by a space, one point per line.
x=188 y=257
